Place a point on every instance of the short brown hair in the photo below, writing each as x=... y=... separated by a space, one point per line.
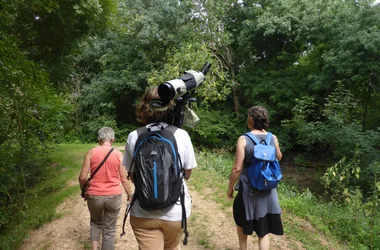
x=147 y=114
x=260 y=117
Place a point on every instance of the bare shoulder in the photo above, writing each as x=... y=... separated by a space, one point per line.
x=89 y=153
x=242 y=137
x=241 y=140
x=275 y=138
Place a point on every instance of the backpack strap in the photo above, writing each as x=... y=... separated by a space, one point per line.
x=252 y=137
x=184 y=219
x=127 y=210
x=256 y=141
x=83 y=193
x=141 y=130
x=100 y=165
x=269 y=138
x=171 y=129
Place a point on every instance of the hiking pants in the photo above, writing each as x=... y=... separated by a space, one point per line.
x=104 y=211
x=156 y=234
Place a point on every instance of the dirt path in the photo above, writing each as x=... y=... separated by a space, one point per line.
x=209 y=227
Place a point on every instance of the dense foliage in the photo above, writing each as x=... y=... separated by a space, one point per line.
x=34 y=38
x=70 y=67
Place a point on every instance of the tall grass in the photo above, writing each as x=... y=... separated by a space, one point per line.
x=345 y=222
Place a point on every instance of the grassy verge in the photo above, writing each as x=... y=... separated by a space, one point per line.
x=41 y=202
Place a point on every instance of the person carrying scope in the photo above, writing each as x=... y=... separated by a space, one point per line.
x=157 y=220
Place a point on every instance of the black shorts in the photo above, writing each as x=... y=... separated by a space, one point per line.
x=270 y=223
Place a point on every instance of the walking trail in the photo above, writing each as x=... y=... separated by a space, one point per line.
x=210 y=227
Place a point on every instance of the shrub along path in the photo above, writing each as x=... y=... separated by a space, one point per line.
x=210 y=226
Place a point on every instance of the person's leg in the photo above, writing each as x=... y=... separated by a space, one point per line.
x=94 y=245
x=172 y=234
x=242 y=238
x=95 y=206
x=264 y=242
x=112 y=205
x=148 y=233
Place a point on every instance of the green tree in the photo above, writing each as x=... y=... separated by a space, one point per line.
x=354 y=55
x=156 y=41
x=31 y=118
x=49 y=29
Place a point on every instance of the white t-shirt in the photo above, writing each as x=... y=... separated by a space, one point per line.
x=186 y=152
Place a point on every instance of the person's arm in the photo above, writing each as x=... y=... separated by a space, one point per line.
x=186 y=150
x=237 y=167
x=187 y=173
x=124 y=179
x=85 y=169
x=278 y=150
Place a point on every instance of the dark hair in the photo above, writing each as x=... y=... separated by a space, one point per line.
x=260 y=117
x=147 y=114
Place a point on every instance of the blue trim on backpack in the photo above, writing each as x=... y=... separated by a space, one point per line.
x=155 y=180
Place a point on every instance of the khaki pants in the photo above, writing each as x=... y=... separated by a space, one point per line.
x=104 y=211
x=156 y=234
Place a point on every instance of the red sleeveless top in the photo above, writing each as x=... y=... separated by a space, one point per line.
x=107 y=179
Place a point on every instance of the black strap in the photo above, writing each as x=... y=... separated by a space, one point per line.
x=127 y=210
x=184 y=219
x=100 y=165
x=171 y=129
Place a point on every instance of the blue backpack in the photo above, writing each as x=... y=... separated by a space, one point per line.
x=264 y=172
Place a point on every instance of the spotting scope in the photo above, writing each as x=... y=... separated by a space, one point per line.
x=178 y=87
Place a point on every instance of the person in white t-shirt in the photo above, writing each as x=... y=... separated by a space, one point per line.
x=159 y=229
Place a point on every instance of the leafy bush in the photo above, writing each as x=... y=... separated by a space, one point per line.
x=216 y=129
x=29 y=116
x=361 y=216
x=333 y=133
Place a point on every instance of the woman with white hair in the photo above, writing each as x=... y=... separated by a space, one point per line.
x=104 y=194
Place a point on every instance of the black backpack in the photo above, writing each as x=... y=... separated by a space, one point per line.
x=158 y=171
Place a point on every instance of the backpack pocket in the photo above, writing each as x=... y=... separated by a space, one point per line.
x=264 y=152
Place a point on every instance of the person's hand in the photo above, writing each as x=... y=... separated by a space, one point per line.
x=129 y=196
x=230 y=193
